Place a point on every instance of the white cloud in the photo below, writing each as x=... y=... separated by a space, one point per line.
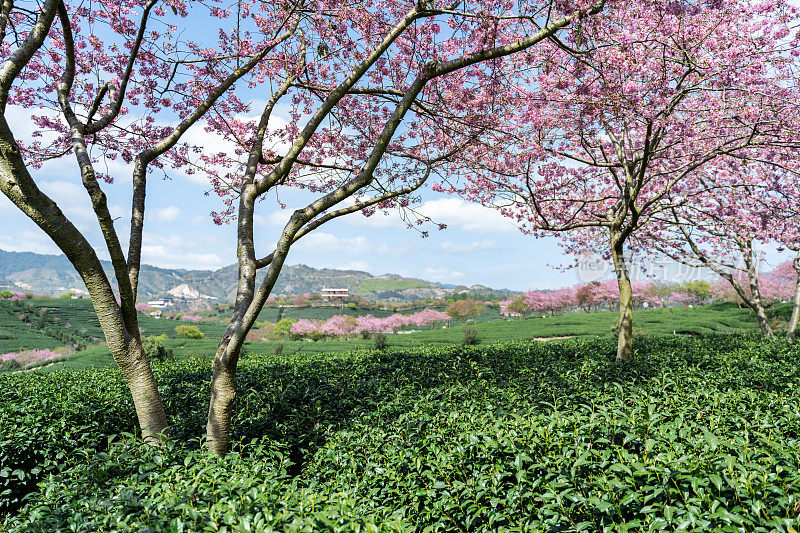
x=7 y=208
x=117 y=211
x=70 y=197
x=354 y=265
x=401 y=248
x=28 y=241
x=443 y=273
x=326 y=242
x=167 y=214
x=24 y=127
x=174 y=251
x=466 y=216
x=276 y=218
x=475 y=246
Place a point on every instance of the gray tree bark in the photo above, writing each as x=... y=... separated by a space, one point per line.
x=625 y=339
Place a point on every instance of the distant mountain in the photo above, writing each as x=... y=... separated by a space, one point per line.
x=53 y=274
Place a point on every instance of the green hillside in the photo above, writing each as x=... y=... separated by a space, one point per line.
x=721 y=318
x=374 y=285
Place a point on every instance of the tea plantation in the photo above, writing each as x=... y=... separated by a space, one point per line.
x=693 y=434
x=718 y=318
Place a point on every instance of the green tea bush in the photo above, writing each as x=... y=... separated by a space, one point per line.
x=10 y=365
x=155 y=349
x=691 y=434
x=189 y=332
x=470 y=336
x=46 y=418
x=380 y=341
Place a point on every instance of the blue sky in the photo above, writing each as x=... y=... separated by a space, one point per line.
x=478 y=246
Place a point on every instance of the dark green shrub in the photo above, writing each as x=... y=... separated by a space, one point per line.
x=692 y=434
x=470 y=336
x=155 y=349
x=380 y=341
x=366 y=335
x=10 y=365
x=278 y=350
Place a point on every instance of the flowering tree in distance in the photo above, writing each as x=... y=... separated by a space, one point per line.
x=781 y=212
x=377 y=93
x=593 y=144
x=348 y=326
x=707 y=237
x=464 y=309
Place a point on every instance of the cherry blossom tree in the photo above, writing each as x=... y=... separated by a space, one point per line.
x=783 y=284
x=115 y=81
x=594 y=142
x=781 y=212
x=349 y=326
x=720 y=230
x=377 y=92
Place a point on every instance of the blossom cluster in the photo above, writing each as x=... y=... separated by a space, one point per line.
x=29 y=357
x=588 y=296
x=348 y=326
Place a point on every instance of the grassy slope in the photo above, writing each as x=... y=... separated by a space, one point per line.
x=681 y=321
x=16 y=335
x=370 y=285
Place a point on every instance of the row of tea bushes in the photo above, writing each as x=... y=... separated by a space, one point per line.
x=693 y=434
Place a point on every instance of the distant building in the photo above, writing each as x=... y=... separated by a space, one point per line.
x=335 y=294
x=159 y=304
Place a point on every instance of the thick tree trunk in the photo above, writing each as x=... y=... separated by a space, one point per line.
x=138 y=374
x=792 y=332
x=249 y=303
x=625 y=341
x=220 y=409
x=121 y=331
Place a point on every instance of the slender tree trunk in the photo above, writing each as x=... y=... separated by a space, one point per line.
x=755 y=295
x=226 y=360
x=790 y=335
x=625 y=341
x=249 y=303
